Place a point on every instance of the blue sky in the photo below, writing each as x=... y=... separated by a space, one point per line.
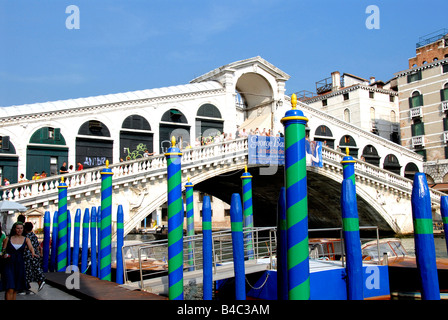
x=127 y=45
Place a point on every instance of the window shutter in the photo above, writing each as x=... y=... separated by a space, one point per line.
x=57 y=134
x=5 y=143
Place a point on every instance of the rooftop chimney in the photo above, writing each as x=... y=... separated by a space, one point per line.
x=372 y=80
x=336 y=80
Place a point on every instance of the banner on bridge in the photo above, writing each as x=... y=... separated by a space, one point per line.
x=271 y=151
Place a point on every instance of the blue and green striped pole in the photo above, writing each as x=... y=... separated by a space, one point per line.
x=190 y=222
x=352 y=241
x=348 y=167
x=69 y=240
x=76 y=231
x=444 y=213
x=120 y=242
x=175 y=223
x=93 y=240
x=236 y=220
x=425 y=251
x=85 y=241
x=207 y=249
x=98 y=238
x=106 y=223
x=282 y=262
x=54 y=243
x=296 y=203
x=62 y=226
x=248 y=212
x=46 y=244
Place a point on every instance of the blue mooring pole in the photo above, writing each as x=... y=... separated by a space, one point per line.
x=236 y=218
x=85 y=241
x=120 y=241
x=207 y=248
x=46 y=244
x=93 y=242
x=352 y=241
x=54 y=243
x=425 y=251
x=444 y=212
x=282 y=248
x=76 y=229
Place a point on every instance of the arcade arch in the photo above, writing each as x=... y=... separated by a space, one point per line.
x=93 y=144
x=135 y=137
x=46 y=151
x=173 y=123
x=209 y=121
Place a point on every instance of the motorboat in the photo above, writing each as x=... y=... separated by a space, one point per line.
x=404 y=277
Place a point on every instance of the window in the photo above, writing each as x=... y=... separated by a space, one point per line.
x=418 y=128
x=346 y=96
x=444 y=93
x=445 y=68
x=372 y=113
x=415 y=76
x=416 y=100
x=391 y=98
x=347 y=115
x=393 y=117
x=371 y=94
x=324 y=103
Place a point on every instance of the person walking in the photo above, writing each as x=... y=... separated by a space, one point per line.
x=33 y=265
x=13 y=275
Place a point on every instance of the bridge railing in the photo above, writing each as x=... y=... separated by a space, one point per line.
x=90 y=179
x=373 y=172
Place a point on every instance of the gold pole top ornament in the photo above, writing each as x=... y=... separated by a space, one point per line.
x=62 y=179
x=107 y=164
x=347 y=151
x=188 y=179
x=245 y=168
x=294 y=101
x=173 y=141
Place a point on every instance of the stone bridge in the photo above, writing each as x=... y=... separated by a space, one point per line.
x=140 y=186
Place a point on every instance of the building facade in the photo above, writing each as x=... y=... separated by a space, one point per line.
x=423 y=103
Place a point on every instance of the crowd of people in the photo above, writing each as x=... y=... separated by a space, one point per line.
x=20 y=260
x=240 y=133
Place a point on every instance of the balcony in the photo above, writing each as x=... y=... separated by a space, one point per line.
x=415 y=112
x=445 y=105
x=418 y=141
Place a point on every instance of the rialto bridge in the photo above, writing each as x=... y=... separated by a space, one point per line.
x=248 y=93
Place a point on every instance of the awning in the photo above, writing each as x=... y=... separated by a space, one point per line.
x=439 y=186
x=261 y=122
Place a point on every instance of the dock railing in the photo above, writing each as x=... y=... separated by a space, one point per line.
x=150 y=259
